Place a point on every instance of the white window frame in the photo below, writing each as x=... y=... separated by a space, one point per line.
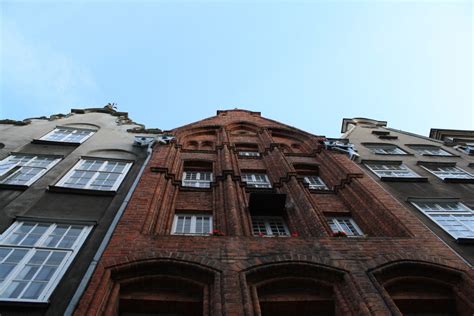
x=467 y=149
x=13 y=169
x=388 y=149
x=428 y=150
x=450 y=172
x=249 y=154
x=402 y=172
x=200 y=180
x=434 y=209
x=87 y=186
x=56 y=277
x=338 y=220
x=192 y=225
x=251 y=180
x=73 y=130
x=315 y=183
x=267 y=220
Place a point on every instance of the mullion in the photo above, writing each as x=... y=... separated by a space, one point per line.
x=96 y=174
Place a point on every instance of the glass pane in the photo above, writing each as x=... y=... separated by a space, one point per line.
x=14 y=289
x=46 y=273
x=39 y=257
x=34 y=290
x=56 y=258
x=27 y=273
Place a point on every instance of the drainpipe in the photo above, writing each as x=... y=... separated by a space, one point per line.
x=90 y=270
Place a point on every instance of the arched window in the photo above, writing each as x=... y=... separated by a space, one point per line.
x=161 y=295
x=299 y=288
x=420 y=288
x=162 y=287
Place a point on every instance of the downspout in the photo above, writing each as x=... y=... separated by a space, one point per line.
x=103 y=245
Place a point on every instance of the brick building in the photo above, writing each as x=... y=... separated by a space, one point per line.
x=195 y=238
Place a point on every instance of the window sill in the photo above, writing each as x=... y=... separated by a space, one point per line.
x=58 y=189
x=50 y=142
x=401 y=179
x=321 y=191
x=380 y=154
x=193 y=235
x=444 y=156
x=250 y=157
x=465 y=241
x=24 y=303
x=185 y=188
x=253 y=189
x=18 y=187
x=458 y=180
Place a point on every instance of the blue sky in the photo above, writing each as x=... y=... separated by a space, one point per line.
x=306 y=63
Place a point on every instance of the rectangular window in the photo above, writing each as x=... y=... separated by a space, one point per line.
x=190 y=224
x=429 y=150
x=249 y=154
x=445 y=172
x=34 y=257
x=197 y=179
x=272 y=226
x=68 y=135
x=96 y=174
x=22 y=169
x=345 y=225
x=467 y=149
x=392 y=170
x=382 y=149
x=256 y=180
x=315 y=183
x=454 y=217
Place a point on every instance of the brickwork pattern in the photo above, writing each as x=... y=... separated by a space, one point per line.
x=142 y=238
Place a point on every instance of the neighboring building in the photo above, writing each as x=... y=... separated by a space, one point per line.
x=242 y=215
x=62 y=182
x=433 y=177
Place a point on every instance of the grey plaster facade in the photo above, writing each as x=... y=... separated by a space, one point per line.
x=367 y=134
x=43 y=201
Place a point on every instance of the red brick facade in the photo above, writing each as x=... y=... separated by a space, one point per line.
x=398 y=266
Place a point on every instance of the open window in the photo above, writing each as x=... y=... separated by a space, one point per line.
x=344 y=226
x=267 y=212
x=310 y=174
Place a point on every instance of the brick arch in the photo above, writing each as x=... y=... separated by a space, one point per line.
x=418 y=286
x=235 y=127
x=301 y=285
x=291 y=140
x=137 y=284
x=198 y=137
